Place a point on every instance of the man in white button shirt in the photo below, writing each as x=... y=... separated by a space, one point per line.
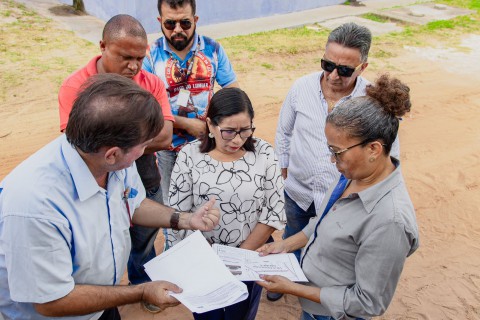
x=300 y=139
x=65 y=212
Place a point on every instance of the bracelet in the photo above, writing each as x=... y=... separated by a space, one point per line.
x=174 y=220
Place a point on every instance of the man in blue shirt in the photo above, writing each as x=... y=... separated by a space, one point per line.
x=188 y=64
x=66 y=211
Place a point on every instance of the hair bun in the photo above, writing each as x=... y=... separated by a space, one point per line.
x=392 y=94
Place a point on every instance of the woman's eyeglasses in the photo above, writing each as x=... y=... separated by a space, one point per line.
x=185 y=24
x=336 y=154
x=228 y=134
x=343 y=71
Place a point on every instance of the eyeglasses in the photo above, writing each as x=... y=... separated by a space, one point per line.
x=343 y=71
x=185 y=24
x=336 y=154
x=228 y=134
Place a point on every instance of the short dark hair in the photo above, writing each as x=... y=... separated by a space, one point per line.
x=352 y=35
x=112 y=111
x=174 y=4
x=227 y=102
x=123 y=25
x=376 y=115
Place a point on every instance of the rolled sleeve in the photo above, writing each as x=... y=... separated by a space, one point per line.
x=38 y=260
x=332 y=299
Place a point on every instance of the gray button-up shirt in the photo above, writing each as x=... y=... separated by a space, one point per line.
x=360 y=249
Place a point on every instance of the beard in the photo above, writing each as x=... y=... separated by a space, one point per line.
x=180 y=44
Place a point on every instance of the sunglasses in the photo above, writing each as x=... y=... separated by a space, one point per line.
x=185 y=24
x=343 y=71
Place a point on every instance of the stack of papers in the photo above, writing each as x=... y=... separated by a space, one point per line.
x=247 y=265
x=193 y=266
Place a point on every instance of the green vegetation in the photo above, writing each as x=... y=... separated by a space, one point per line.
x=374 y=17
x=278 y=49
x=34 y=45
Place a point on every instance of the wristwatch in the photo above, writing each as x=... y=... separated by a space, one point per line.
x=174 y=220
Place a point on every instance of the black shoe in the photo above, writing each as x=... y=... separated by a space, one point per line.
x=273 y=296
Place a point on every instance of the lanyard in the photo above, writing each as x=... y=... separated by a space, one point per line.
x=190 y=62
x=336 y=194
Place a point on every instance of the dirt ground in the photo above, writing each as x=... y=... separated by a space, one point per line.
x=440 y=154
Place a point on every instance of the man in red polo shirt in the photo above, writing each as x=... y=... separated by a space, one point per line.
x=123 y=47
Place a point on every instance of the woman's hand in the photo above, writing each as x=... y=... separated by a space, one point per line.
x=277 y=284
x=272 y=247
x=205 y=218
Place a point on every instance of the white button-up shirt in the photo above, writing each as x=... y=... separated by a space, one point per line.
x=58 y=228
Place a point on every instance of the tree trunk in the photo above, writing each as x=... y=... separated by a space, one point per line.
x=79 y=6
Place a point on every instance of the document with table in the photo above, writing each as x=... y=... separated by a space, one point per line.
x=192 y=265
x=247 y=265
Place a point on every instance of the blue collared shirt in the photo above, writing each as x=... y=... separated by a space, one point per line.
x=58 y=228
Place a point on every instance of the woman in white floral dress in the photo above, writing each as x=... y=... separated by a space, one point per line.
x=242 y=172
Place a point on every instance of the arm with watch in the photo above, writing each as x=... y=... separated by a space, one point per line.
x=153 y=214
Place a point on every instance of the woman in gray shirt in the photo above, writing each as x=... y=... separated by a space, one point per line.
x=356 y=246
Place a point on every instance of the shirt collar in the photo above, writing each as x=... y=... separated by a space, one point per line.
x=371 y=196
x=84 y=182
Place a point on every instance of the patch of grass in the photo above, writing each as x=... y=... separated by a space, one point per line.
x=267 y=65
x=374 y=17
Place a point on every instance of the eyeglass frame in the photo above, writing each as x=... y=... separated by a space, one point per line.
x=180 y=21
x=236 y=133
x=337 y=66
x=336 y=154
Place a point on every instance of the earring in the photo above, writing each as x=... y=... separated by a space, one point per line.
x=371 y=159
x=210 y=135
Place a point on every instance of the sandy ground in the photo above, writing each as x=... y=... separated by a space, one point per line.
x=440 y=153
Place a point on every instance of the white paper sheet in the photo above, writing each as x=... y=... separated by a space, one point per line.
x=247 y=265
x=193 y=265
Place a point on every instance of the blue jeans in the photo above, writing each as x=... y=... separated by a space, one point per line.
x=143 y=249
x=297 y=219
x=243 y=310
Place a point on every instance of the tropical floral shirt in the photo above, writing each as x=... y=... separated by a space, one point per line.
x=248 y=191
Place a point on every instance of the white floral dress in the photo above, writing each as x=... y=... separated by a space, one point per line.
x=248 y=191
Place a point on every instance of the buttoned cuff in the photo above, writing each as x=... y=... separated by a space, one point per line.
x=332 y=299
x=283 y=160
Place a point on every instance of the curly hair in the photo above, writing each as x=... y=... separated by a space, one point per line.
x=376 y=115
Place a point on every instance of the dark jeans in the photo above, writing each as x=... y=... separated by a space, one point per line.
x=243 y=310
x=143 y=250
x=110 y=314
x=297 y=219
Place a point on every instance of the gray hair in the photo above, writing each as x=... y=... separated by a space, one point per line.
x=374 y=117
x=352 y=35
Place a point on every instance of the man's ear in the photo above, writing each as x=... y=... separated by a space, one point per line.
x=364 y=66
x=103 y=45
x=195 y=18
x=159 y=19
x=112 y=155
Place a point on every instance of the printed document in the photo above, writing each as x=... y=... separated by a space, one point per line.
x=247 y=265
x=193 y=266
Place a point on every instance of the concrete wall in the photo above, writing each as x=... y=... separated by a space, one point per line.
x=209 y=11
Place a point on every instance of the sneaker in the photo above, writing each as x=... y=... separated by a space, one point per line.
x=273 y=296
x=151 y=307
